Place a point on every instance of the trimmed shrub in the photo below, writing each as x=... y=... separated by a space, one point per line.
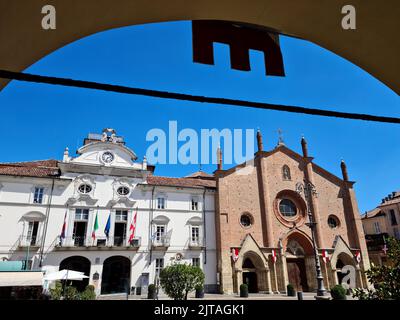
x=88 y=294
x=199 y=291
x=338 y=292
x=151 y=292
x=244 y=290
x=291 y=291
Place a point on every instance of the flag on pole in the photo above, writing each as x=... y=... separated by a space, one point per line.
x=132 y=228
x=325 y=256
x=108 y=226
x=64 y=227
x=274 y=257
x=95 y=227
x=235 y=254
x=358 y=256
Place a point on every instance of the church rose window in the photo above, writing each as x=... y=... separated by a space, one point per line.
x=84 y=188
x=287 y=208
x=333 y=222
x=123 y=191
x=245 y=220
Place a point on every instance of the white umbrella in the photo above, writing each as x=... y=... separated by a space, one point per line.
x=65 y=275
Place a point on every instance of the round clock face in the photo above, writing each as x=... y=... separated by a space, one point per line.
x=107 y=157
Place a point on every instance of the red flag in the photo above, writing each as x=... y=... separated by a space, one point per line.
x=274 y=257
x=235 y=254
x=132 y=228
x=358 y=256
x=325 y=256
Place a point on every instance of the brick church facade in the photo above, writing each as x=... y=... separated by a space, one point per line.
x=262 y=236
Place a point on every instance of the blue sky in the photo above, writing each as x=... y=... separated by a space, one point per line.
x=38 y=121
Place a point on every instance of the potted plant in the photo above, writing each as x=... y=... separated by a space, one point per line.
x=199 y=291
x=291 y=291
x=244 y=290
x=151 y=293
x=338 y=292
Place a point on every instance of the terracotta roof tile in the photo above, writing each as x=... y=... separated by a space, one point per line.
x=180 y=182
x=41 y=168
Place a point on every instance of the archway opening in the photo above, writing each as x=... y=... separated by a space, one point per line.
x=77 y=263
x=116 y=275
x=299 y=258
x=253 y=271
x=342 y=260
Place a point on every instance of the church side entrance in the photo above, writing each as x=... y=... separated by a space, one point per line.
x=250 y=278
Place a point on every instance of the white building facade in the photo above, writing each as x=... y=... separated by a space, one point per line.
x=48 y=213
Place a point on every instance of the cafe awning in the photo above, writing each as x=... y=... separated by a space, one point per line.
x=21 y=278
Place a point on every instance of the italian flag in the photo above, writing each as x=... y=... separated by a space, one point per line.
x=95 y=227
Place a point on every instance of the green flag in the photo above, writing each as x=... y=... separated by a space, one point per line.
x=95 y=227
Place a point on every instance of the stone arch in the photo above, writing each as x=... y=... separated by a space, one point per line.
x=77 y=263
x=302 y=238
x=116 y=275
x=342 y=250
x=259 y=276
x=299 y=260
x=376 y=28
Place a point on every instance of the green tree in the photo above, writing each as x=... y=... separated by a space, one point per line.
x=385 y=279
x=88 y=294
x=56 y=293
x=178 y=279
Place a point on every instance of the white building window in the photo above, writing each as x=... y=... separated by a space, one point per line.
x=160 y=233
x=81 y=214
x=195 y=204
x=196 y=262
x=32 y=233
x=161 y=203
x=195 y=234
x=38 y=195
x=121 y=215
x=159 y=266
x=377 y=227
x=396 y=233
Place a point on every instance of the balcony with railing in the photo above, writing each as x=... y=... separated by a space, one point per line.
x=161 y=242
x=29 y=241
x=99 y=242
x=196 y=243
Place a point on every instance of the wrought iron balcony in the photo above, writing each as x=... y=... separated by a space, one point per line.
x=161 y=241
x=196 y=242
x=29 y=241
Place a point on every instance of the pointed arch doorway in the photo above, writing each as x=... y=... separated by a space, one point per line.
x=249 y=275
x=299 y=257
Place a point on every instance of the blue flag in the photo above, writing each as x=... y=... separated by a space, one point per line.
x=108 y=225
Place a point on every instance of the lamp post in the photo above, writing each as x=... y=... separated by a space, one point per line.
x=309 y=191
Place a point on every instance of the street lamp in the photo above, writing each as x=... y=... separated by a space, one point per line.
x=309 y=190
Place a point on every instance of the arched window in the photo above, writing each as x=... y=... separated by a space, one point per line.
x=286 y=173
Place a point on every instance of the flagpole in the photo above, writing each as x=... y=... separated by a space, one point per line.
x=275 y=275
x=326 y=272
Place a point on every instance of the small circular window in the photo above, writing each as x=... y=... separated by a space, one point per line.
x=245 y=220
x=123 y=191
x=333 y=222
x=287 y=208
x=85 y=188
